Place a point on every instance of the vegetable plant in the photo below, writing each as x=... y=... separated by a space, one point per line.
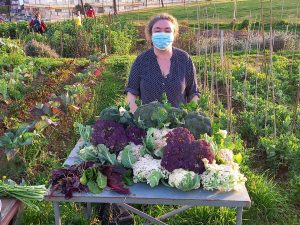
x=13 y=140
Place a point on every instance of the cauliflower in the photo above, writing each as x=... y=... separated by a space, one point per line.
x=223 y=133
x=160 y=140
x=222 y=177
x=225 y=156
x=156 y=140
x=184 y=180
x=147 y=169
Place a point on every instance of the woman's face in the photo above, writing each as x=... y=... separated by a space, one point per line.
x=163 y=26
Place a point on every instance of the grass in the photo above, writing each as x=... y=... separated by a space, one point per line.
x=221 y=12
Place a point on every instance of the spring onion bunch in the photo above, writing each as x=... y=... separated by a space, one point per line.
x=24 y=193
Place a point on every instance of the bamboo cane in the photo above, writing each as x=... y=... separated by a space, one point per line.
x=271 y=68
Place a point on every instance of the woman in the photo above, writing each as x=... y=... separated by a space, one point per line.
x=37 y=24
x=77 y=19
x=162 y=68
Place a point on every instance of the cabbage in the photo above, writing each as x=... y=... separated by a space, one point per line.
x=184 y=180
x=88 y=153
x=97 y=154
x=130 y=155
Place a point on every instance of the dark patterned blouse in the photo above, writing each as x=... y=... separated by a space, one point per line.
x=147 y=81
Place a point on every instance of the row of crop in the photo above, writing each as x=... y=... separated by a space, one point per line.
x=37 y=94
x=60 y=140
x=68 y=40
x=25 y=81
x=265 y=110
x=117 y=35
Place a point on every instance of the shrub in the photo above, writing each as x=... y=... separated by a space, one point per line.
x=81 y=44
x=10 y=46
x=295 y=189
x=245 y=25
x=36 y=49
x=121 y=43
x=9 y=61
x=33 y=36
x=282 y=152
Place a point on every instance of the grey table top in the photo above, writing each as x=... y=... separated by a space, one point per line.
x=142 y=193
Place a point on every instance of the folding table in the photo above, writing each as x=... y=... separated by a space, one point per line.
x=142 y=193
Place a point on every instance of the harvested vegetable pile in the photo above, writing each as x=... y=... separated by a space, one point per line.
x=158 y=144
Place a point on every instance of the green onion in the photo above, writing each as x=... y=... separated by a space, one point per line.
x=24 y=193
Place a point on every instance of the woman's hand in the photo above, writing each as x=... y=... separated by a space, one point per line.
x=131 y=101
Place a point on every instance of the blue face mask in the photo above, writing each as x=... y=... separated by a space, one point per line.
x=162 y=40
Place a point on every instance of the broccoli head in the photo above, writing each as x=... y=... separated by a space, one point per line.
x=197 y=123
x=149 y=115
x=175 y=117
x=110 y=113
x=117 y=114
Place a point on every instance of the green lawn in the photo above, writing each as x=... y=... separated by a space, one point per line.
x=221 y=11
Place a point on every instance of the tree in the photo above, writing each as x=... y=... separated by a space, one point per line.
x=8 y=4
x=115 y=7
x=82 y=7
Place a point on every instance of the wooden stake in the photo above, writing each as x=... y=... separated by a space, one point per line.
x=271 y=69
x=296 y=107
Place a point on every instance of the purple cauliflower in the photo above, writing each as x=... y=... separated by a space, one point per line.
x=186 y=155
x=135 y=135
x=111 y=134
x=180 y=134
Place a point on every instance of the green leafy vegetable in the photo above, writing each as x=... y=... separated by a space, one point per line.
x=154 y=178
x=94 y=179
x=127 y=157
x=105 y=156
x=84 y=131
x=3 y=89
x=13 y=140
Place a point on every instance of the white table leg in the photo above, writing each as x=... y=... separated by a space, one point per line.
x=56 y=213
x=239 y=215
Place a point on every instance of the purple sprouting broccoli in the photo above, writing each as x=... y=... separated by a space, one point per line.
x=180 y=134
x=186 y=155
x=135 y=135
x=111 y=134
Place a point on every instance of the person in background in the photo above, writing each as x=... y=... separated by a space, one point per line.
x=37 y=24
x=162 y=68
x=90 y=12
x=77 y=19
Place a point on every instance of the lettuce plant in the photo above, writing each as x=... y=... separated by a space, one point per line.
x=13 y=140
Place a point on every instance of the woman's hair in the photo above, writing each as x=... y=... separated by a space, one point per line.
x=155 y=18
